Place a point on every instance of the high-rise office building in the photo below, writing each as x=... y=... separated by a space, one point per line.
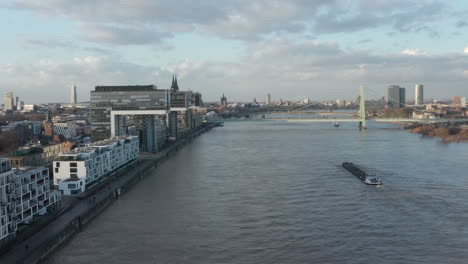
x=73 y=98
x=396 y=96
x=131 y=100
x=419 y=94
x=268 y=99
x=459 y=101
x=9 y=103
x=17 y=107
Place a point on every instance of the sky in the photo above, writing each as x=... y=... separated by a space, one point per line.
x=291 y=49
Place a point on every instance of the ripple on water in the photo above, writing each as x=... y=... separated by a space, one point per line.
x=276 y=193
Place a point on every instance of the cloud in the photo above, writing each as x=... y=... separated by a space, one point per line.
x=122 y=35
x=413 y=52
x=281 y=66
x=26 y=43
x=148 y=21
x=162 y=47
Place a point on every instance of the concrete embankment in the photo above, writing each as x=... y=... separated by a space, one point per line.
x=40 y=245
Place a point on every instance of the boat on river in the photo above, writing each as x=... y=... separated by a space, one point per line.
x=361 y=174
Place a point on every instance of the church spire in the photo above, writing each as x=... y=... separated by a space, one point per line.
x=48 y=118
x=174 y=86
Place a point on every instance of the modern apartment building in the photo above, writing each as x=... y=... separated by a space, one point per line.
x=7 y=208
x=24 y=193
x=66 y=129
x=35 y=155
x=80 y=168
x=32 y=193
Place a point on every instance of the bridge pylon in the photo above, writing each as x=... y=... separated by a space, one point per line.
x=362 y=109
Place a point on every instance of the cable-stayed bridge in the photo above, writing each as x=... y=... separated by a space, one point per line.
x=358 y=117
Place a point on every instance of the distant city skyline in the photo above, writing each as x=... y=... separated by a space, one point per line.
x=291 y=49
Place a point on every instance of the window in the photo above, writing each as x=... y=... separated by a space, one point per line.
x=56 y=170
x=73 y=175
x=57 y=164
x=73 y=165
x=75 y=170
x=71 y=186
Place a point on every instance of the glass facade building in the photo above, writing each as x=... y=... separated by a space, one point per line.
x=396 y=96
x=104 y=99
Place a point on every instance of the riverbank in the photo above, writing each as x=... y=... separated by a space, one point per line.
x=40 y=245
x=446 y=134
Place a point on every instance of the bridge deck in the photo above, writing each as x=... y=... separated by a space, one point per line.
x=390 y=120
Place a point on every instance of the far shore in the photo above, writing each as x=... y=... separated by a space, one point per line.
x=447 y=134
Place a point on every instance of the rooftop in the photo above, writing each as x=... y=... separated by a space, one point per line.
x=91 y=148
x=128 y=88
x=23 y=170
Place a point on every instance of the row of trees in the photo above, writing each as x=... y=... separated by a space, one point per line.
x=5 y=119
x=8 y=141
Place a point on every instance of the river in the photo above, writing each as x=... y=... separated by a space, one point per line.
x=274 y=192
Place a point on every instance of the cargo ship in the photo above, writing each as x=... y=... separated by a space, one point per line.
x=362 y=175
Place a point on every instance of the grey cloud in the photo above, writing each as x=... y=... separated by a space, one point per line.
x=122 y=35
x=461 y=23
x=239 y=19
x=45 y=44
x=281 y=67
x=162 y=47
x=404 y=16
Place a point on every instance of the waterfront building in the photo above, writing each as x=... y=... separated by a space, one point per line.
x=180 y=99
x=7 y=208
x=24 y=193
x=306 y=101
x=268 y=99
x=419 y=94
x=80 y=168
x=111 y=104
x=396 y=96
x=459 y=101
x=9 y=103
x=114 y=108
x=73 y=98
x=197 y=100
x=224 y=102
x=32 y=193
